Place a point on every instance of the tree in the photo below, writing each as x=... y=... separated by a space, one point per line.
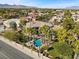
x=70 y=37
x=21 y=38
x=11 y=35
x=45 y=30
x=13 y=25
x=65 y=36
x=76 y=29
x=76 y=48
x=68 y=23
x=45 y=17
x=61 y=50
x=67 y=14
x=23 y=22
x=61 y=35
x=29 y=31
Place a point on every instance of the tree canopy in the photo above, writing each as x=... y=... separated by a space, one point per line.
x=68 y=23
x=61 y=50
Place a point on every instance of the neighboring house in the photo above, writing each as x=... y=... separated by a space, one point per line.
x=52 y=19
x=75 y=17
x=37 y=24
x=40 y=14
x=31 y=16
x=7 y=23
x=57 y=18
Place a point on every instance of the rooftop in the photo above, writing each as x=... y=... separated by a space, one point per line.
x=37 y=24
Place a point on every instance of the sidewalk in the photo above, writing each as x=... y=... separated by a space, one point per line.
x=23 y=49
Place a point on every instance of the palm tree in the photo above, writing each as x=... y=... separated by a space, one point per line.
x=45 y=30
x=76 y=48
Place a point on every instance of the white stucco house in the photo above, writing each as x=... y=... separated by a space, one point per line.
x=7 y=23
x=57 y=17
x=75 y=17
x=37 y=24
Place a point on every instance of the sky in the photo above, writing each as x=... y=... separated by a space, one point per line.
x=43 y=3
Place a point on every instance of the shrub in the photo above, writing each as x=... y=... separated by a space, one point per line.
x=11 y=35
x=43 y=48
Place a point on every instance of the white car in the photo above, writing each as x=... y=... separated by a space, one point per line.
x=1 y=28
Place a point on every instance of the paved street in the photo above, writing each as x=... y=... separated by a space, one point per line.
x=8 y=52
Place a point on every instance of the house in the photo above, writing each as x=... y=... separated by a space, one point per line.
x=31 y=16
x=7 y=23
x=37 y=24
x=75 y=17
x=57 y=17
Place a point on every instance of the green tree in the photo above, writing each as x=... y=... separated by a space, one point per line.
x=68 y=23
x=65 y=36
x=76 y=29
x=29 y=31
x=61 y=50
x=67 y=14
x=11 y=35
x=21 y=38
x=22 y=21
x=76 y=48
x=13 y=25
x=70 y=37
x=61 y=35
x=45 y=30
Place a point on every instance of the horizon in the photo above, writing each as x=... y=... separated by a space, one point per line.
x=43 y=3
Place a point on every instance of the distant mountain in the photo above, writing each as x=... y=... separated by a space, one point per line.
x=73 y=7
x=23 y=6
x=14 y=6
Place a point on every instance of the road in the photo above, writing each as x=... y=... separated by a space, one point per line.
x=8 y=52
